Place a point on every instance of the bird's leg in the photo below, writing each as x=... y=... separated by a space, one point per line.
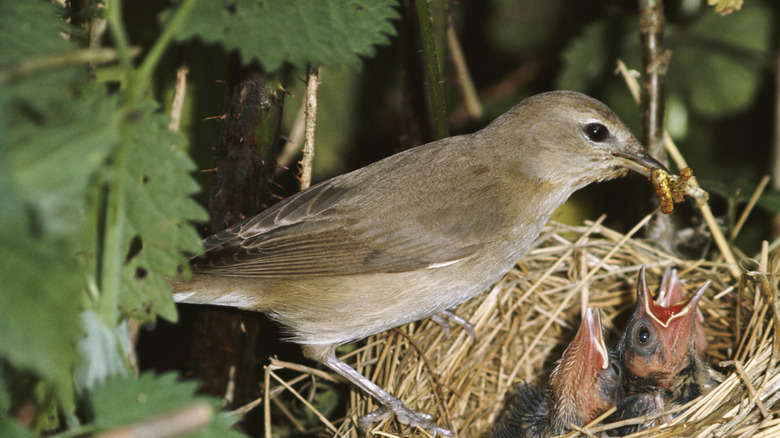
x=390 y=405
x=442 y=318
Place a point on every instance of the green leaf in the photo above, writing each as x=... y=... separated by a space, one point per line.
x=716 y=62
x=331 y=33
x=513 y=26
x=102 y=351
x=13 y=429
x=122 y=401
x=770 y=202
x=30 y=28
x=590 y=56
x=54 y=137
x=57 y=145
x=158 y=208
x=41 y=296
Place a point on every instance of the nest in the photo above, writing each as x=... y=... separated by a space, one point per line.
x=526 y=320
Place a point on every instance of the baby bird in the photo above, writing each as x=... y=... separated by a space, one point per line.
x=584 y=384
x=658 y=348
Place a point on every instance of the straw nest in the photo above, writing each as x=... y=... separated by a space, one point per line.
x=526 y=320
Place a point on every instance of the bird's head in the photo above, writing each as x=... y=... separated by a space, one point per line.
x=571 y=140
x=586 y=380
x=659 y=339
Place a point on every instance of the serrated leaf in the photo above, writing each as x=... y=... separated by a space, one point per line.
x=121 y=401
x=56 y=145
x=41 y=297
x=331 y=33
x=158 y=209
x=30 y=28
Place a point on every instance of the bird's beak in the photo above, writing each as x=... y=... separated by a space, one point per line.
x=592 y=336
x=665 y=312
x=640 y=162
x=586 y=354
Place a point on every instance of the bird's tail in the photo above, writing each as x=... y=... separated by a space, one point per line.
x=218 y=291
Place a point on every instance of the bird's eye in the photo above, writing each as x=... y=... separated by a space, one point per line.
x=643 y=334
x=597 y=132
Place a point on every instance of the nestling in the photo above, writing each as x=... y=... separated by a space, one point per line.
x=659 y=352
x=412 y=235
x=584 y=384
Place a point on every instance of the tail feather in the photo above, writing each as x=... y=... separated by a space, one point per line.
x=217 y=291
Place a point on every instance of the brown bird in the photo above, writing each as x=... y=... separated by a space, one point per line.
x=584 y=384
x=412 y=235
x=672 y=293
x=658 y=350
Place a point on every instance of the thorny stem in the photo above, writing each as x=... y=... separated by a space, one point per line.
x=436 y=90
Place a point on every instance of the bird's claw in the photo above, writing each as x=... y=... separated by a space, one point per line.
x=405 y=416
x=443 y=317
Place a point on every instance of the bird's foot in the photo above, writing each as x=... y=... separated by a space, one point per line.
x=445 y=316
x=404 y=415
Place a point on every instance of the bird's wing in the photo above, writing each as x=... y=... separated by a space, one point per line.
x=309 y=235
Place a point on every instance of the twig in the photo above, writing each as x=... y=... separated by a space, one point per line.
x=276 y=364
x=655 y=61
x=312 y=85
x=776 y=144
x=177 y=107
x=706 y=212
x=303 y=400
x=753 y=393
x=34 y=64
x=432 y=371
x=470 y=97
x=581 y=282
x=749 y=207
x=266 y=402
x=293 y=144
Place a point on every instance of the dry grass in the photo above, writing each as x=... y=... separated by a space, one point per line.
x=525 y=321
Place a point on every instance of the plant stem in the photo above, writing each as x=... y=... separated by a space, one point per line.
x=436 y=90
x=143 y=77
x=119 y=34
x=114 y=225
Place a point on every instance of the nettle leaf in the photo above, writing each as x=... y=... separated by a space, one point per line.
x=158 y=210
x=121 y=401
x=57 y=145
x=54 y=137
x=40 y=296
x=331 y=33
x=30 y=28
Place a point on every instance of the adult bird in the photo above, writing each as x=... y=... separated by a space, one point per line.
x=584 y=384
x=413 y=235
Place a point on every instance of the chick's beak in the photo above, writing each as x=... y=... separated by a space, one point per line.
x=599 y=357
x=640 y=162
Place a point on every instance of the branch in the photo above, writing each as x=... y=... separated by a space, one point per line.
x=311 y=123
x=655 y=61
x=435 y=88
